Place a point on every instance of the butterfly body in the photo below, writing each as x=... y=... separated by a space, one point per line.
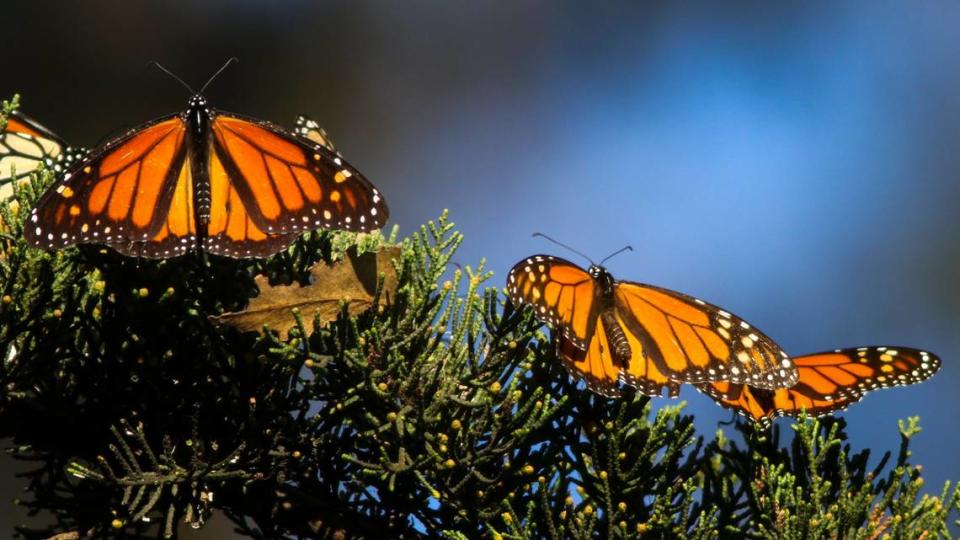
x=644 y=336
x=206 y=180
x=198 y=117
x=606 y=305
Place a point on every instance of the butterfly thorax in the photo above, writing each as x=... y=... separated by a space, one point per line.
x=197 y=113
x=619 y=346
x=197 y=117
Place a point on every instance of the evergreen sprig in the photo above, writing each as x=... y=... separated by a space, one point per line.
x=444 y=413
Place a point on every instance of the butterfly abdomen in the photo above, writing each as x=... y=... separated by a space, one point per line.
x=201 y=189
x=619 y=346
x=198 y=117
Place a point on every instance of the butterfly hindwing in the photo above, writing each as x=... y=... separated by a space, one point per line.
x=597 y=367
x=561 y=293
x=756 y=405
x=828 y=381
x=693 y=341
x=309 y=129
x=594 y=365
x=118 y=195
x=177 y=232
x=24 y=146
x=232 y=232
x=642 y=371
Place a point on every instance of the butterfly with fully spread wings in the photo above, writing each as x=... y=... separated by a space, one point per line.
x=644 y=336
x=205 y=179
x=25 y=145
x=828 y=381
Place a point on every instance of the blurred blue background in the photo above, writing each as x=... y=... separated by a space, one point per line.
x=797 y=163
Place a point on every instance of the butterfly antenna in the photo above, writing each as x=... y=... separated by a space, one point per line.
x=564 y=246
x=231 y=61
x=615 y=253
x=170 y=73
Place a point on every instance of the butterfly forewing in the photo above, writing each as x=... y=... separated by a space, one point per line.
x=290 y=185
x=119 y=195
x=693 y=341
x=828 y=381
x=561 y=293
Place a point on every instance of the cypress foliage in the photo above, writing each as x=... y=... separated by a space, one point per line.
x=443 y=414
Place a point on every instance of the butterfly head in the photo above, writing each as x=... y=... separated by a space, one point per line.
x=600 y=274
x=197 y=100
x=197 y=115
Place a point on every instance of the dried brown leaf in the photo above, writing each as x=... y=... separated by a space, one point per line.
x=353 y=280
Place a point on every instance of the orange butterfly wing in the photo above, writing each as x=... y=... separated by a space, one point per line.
x=22 y=124
x=18 y=123
x=121 y=195
x=828 y=381
x=561 y=293
x=289 y=184
x=24 y=145
x=692 y=341
x=754 y=404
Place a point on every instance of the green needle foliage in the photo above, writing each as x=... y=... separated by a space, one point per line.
x=443 y=414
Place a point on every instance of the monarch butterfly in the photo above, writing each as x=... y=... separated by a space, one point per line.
x=643 y=335
x=829 y=381
x=225 y=183
x=24 y=145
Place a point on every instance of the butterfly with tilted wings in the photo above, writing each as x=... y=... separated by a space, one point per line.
x=648 y=337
